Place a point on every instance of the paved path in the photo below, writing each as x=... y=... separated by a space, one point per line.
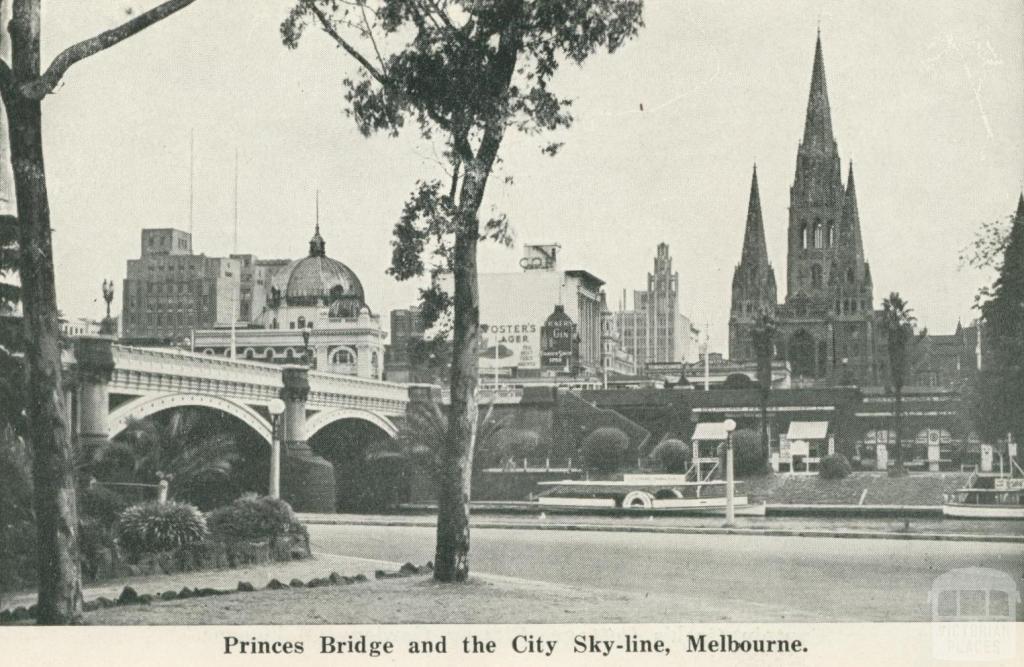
x=1001 y=530
x=786 y=578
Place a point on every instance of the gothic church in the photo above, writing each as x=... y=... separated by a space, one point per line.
x=827 y=327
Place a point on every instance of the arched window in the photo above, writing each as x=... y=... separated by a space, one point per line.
x=819 y=234
x=289 y=354
x=803 y=236
x=250 y=353
x=816 y=275
x=269 y=354
x=343 y=356
x=302 y=322
x=831 y=233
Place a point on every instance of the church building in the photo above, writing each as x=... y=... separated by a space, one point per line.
x=827 y=327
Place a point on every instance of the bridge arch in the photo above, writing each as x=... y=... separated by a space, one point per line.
x=148 y=405
x=327 y=417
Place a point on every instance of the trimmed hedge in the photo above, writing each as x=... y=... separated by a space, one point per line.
x=152 y=527
x=253 y=518
x=834 y=466
x=673 y=455
x=749 y=457
x=604 y=449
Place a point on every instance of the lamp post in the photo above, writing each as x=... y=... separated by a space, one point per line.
x=730 y=484
x=275 y=407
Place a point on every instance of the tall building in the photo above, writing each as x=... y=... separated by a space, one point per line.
x=169 y=291
x=827 y=325
x=655 y=330
x=406 y=328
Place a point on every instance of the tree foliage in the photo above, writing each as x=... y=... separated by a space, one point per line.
x=462 y=72
x=604 y=449
x=1000 y=390
x=673 y=455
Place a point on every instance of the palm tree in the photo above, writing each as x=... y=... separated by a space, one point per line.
x=424 y=435
x=763 y=333
x=182 y=448
x=898 y=322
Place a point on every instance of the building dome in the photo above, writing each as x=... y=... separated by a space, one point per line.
x=318 y=280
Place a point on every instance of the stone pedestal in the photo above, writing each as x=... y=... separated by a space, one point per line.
x=307 y=480
x=94 y=360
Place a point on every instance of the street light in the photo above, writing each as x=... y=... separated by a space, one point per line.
x=275 y=407
x=730 y=484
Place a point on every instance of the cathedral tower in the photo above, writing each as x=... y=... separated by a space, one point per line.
x=753 y=281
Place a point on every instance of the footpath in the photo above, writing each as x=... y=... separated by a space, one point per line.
x=925 y=528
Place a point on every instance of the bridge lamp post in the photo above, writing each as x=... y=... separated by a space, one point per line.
x=730 y=484
x=275 y=407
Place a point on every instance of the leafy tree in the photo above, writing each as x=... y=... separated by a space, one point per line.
x=898 y=324
x=763 y=334
x=1000 y=391
x=747 y=454
x=23 y=85
x=464 y=72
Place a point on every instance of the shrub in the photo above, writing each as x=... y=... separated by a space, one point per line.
x=748 y=455
x=17 y=519
x=150 y=527
x=673 y=455
x=253 y=517
x=101 y=505
x=834 y=466
x=604 y=449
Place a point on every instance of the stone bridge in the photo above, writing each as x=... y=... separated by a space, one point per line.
x=110 y=385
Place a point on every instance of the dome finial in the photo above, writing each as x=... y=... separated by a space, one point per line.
x=317 y=247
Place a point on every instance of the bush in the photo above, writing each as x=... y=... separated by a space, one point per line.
x=101 y=505
x=749 y=458
x=604 y=449
x=17 y=519
x=673 y=455
x=253 y=517
x=835 y=466
x=150 y=527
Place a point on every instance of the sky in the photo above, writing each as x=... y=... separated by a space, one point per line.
x=926 y=98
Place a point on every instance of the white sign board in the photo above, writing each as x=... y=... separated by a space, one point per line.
x=799 y=448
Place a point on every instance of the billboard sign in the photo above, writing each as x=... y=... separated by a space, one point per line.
x=509 y=345
x=558 y=341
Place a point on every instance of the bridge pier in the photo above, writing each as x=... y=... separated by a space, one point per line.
x=95 y=367
x=307 y=480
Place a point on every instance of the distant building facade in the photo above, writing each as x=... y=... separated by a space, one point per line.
x=169 y=291
x=656 y=331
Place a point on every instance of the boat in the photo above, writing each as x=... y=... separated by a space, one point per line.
x=987 y=498
x=646 y=492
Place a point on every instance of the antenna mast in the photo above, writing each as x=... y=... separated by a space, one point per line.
x=236 y=203
x=191 y=179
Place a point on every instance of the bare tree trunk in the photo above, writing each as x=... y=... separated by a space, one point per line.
x=451 y=558
x=60 y=586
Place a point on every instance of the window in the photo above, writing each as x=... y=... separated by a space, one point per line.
x=302 y=322
x=819 y=241
x=803 y=236
x=342 y=355
x=849 y=275
x=831 y=233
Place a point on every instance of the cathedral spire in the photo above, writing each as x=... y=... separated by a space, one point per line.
x=755 y=249
x=851 y=215
x=818 y=125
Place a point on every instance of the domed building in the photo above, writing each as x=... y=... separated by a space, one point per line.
x=309 y=310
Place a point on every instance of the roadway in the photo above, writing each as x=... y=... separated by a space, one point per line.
x=768 y=578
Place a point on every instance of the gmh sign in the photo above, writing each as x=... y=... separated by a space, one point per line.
x=539 y=257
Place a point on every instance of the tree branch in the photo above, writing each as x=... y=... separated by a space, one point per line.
x=328 y=27
x=41 y=86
